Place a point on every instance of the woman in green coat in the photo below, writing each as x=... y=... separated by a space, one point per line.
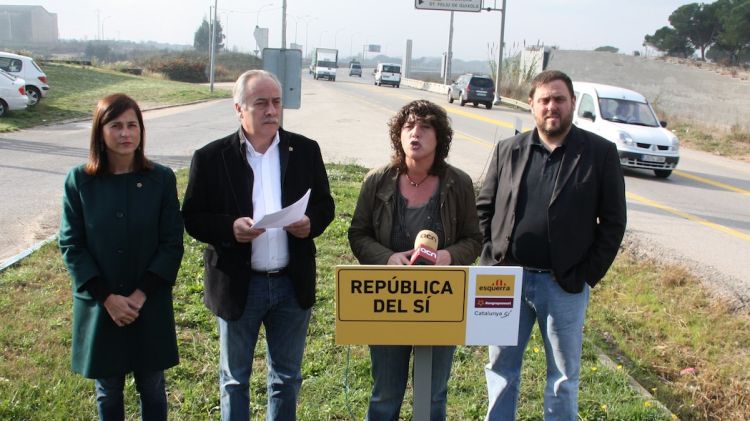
x=121 y=239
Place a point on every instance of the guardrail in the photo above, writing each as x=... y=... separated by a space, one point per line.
x=66 y=61
x=443 y=89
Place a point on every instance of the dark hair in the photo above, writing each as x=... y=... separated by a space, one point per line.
x=431 y=113
x=107 y=109
x=548 y=76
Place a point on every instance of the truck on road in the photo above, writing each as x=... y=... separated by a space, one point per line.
x=324 y=63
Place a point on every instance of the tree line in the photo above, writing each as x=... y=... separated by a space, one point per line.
x=720 y=31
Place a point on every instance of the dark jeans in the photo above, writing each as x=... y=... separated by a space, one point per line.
x=150 y=386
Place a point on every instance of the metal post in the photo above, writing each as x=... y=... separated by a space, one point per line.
x=210 y=30
x=447 y=76
x=283 y=25
x=500 y=55
x=422 y=382
x=213 y=47
x=283 y=66
x=306 y=33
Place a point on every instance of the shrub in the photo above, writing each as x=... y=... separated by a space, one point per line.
x=180 y=69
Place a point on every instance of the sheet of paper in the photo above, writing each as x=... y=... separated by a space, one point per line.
x=286 y=216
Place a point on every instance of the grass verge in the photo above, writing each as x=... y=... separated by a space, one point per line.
x=734 y=143
x=642 y=313
x=690 y=350
x=74 y=92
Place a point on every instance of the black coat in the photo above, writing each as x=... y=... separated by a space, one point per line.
x=586 y=214
x=220 y=190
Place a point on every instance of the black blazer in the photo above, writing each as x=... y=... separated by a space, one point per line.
x=220 y=190
x=586 y=214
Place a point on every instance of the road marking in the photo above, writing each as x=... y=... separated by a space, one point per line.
x=631 y=196
x=473 y=139
x=712 y=182
x=453 y=110
x=734 y=233
x=462 y=113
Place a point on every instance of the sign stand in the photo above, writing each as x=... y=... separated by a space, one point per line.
x=424 y=307
x=422 y=382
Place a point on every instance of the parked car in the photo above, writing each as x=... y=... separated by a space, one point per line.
x=477 y=89
x=388 y=74
x=626 y=118
x=12 y=93
x=355 y=69
x=27 y=69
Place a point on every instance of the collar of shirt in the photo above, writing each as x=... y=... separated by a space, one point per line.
x=536 y=141
x=251 y=152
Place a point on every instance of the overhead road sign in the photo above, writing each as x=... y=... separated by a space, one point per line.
x=454 y=5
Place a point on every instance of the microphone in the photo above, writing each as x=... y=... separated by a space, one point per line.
x=425 y=249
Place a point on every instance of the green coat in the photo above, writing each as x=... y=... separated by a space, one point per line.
x=118 y=227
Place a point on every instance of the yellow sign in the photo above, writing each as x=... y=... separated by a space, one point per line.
x=392 y=299
x=427 y=305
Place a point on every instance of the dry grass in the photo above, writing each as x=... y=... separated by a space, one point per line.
x=690 y=349
x=732 y=143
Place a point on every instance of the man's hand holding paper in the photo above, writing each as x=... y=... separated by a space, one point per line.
x=291 y=216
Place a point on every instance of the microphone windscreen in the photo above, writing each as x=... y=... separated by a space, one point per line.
x=426 y=238
x=425 y=248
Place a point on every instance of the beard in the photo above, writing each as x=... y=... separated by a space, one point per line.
x=554 y=130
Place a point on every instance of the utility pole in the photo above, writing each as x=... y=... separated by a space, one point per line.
x=500 y=54
x=283 y=25
x=213 y=46
x=449 y=56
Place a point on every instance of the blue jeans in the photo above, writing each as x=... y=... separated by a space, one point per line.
x=560 y=316
x=271 y=302
x=390 y=372
x=150 y=387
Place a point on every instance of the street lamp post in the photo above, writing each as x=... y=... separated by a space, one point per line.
x=213 y=46
x=320 y=41
x=500 y=53
x=103 y=20
x=307 y=24
x=257 y=22
x=257 y=14
x=351 y=43
x=296 y=23
x=336 y=36
x=283 y=25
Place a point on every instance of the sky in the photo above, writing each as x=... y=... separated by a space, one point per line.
x=350 y=24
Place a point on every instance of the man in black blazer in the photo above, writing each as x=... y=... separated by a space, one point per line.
x=258 y=276
x=553 y=202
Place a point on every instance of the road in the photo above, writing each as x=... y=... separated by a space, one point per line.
x=699 y=217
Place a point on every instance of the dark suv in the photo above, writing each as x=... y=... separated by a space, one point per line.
x=477 y=89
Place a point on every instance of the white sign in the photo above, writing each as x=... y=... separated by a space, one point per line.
x=493 y=305
x=455 y=5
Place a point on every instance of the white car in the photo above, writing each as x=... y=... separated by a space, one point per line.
x=388 y=74
x=626 y=118
x=27 y=69
x=12 y=93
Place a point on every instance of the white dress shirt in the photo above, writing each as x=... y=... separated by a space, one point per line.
x=270 y=250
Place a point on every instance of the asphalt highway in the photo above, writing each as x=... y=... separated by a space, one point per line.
x=700 y=216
